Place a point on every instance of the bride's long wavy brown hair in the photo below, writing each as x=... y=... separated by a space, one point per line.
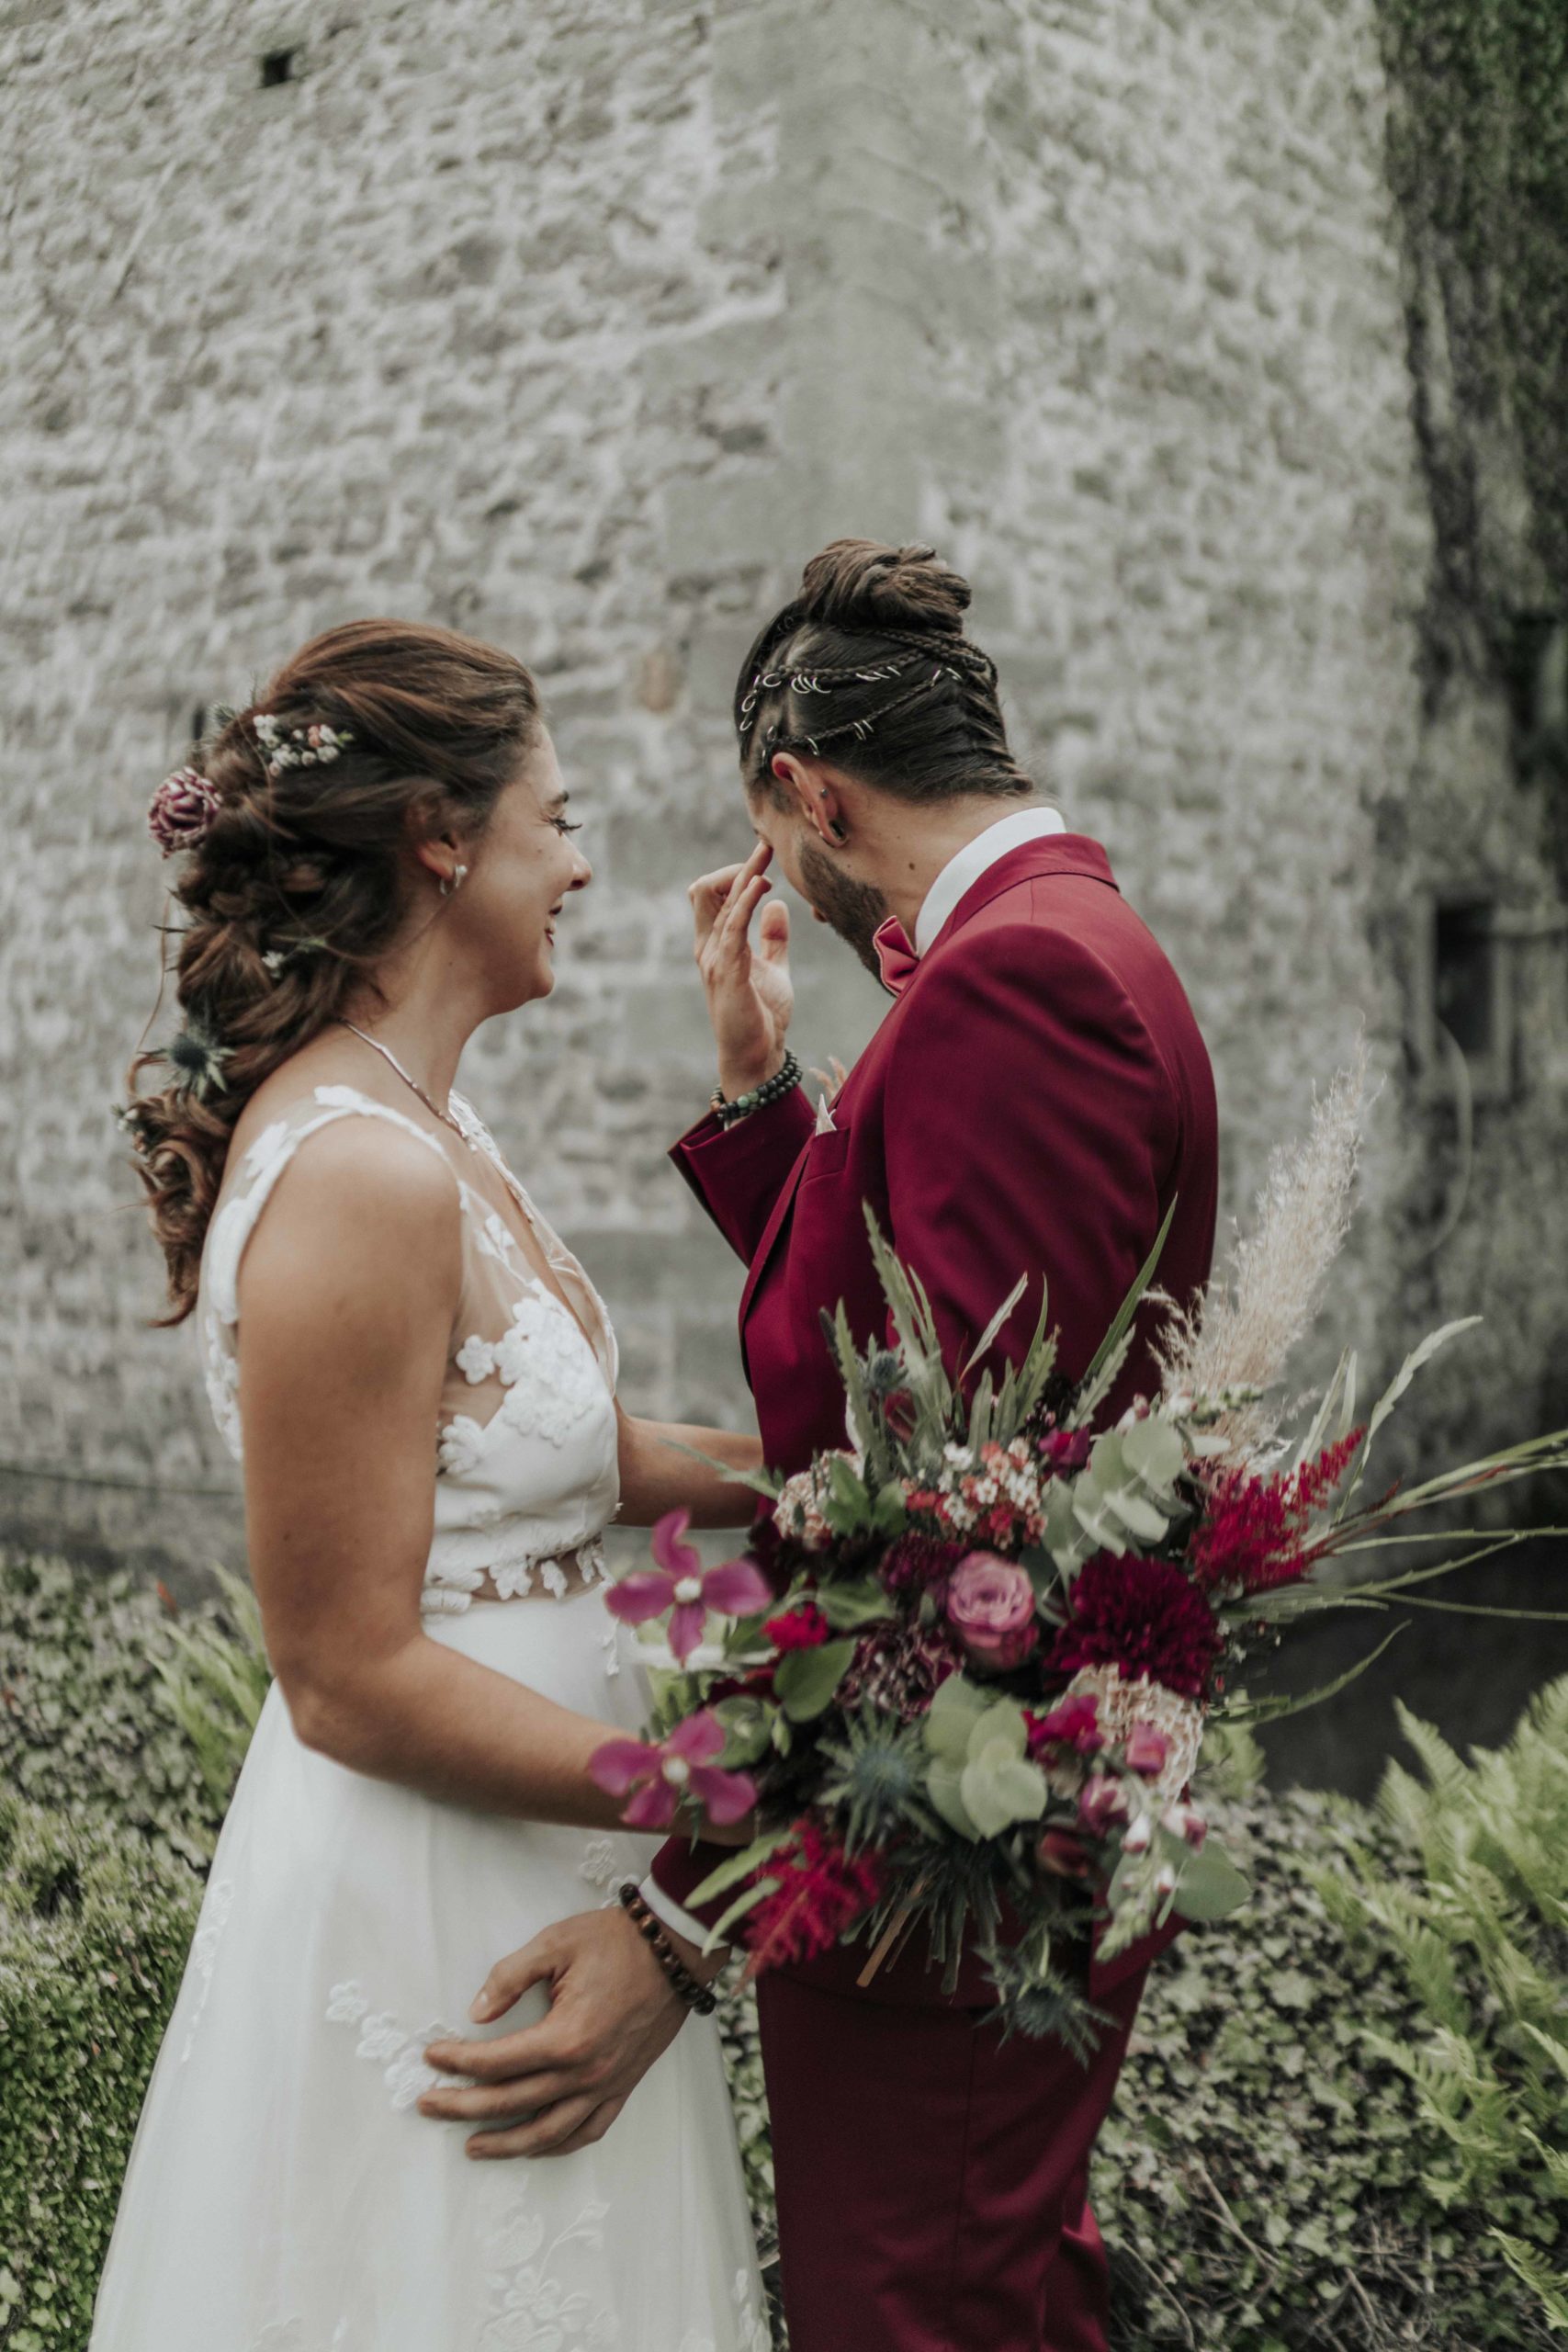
x=309 y=868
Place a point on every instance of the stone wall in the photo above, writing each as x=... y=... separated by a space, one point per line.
x=578 y=327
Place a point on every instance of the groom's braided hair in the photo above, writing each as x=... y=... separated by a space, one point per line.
x=914 y=703
x=298 y=887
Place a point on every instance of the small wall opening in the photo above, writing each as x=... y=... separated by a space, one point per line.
x=1465 y=992
x=280 y=65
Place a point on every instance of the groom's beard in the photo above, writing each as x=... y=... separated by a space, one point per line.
x=852 y=909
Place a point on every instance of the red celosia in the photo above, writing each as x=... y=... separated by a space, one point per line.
x=1141 y=1615
x=804 y=1627
x=1252 y=1535
x=821 y=1891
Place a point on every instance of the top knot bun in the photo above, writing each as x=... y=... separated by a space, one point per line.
x=864 y=588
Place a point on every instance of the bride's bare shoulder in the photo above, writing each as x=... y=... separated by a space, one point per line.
x=366 y=1204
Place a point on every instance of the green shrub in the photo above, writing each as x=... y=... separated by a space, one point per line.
x=94 y=1925
x=1279 y=2172
x=1262 y=2181
x=90 y=1669
x=1477 y=1916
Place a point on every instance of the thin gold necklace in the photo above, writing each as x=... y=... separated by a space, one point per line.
x=409 y=1079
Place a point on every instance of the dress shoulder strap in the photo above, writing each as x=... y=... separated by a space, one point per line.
x=264 y=1162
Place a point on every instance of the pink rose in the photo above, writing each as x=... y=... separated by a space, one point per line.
x=990 y=1606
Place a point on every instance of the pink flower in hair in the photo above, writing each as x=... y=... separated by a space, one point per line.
x=681 y=1584
x=655 y=1776
x=181 y=810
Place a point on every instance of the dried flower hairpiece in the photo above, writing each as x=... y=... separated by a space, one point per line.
x=197 y=1055
x=181 y=809
x=298 y=747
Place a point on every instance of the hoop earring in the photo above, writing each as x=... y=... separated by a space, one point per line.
x=450 y=882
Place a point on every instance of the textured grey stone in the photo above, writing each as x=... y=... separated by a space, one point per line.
x=581 y=328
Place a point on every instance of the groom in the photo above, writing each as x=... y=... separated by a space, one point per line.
x=1035 y=1101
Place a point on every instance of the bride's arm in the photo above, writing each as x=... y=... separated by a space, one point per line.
x=656 y=1476
x=347 y=1291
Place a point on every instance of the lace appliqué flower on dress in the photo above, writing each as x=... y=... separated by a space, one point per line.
x=384 y=2041
x=549 y=1372
x=215 y=1913
x=220 y=1376
x=529 y=2306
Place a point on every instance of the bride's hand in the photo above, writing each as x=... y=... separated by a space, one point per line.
x=749 y=993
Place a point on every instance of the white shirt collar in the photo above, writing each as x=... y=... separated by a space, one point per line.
x=1008 y=832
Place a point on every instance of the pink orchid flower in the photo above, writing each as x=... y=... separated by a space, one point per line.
x=681 y=1583
x=657 y=1775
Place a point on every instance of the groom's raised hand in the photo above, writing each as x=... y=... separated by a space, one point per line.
x=749 y=993
x=555 y=2087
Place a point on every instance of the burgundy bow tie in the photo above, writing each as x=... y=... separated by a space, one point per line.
x=897 y=961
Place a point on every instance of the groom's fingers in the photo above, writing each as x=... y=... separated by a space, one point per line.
x=586 y=2133
x=772 y=933
x=545 y=2135
x=514 y=2100
x=511 y=2058
x=712 y=895
x=510 y=1977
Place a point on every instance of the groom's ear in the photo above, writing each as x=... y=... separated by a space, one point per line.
x=810 y=794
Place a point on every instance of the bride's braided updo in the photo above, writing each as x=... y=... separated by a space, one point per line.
x=869 y=666
x=294 y=879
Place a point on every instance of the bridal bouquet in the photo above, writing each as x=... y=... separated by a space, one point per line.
x=964 y=1675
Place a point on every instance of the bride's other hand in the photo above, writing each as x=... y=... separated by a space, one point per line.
x=749 y=993
x=559 y=2085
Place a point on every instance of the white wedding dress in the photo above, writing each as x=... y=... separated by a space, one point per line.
x=284 y=2194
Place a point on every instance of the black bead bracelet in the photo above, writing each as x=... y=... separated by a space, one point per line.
x=782 y=1081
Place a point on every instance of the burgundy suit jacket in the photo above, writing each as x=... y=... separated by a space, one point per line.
x=1032 y=1103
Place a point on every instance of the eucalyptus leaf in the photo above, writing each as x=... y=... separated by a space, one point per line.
x=998 y=1788
x=1210 y=1885
x=1145 y=1518
x=943 y=1786
x=806 y=1679
x=952 y=1716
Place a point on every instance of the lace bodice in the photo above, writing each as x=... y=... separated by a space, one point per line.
x=523 y=1453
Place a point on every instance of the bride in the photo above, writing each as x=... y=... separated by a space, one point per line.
x=420 y=1380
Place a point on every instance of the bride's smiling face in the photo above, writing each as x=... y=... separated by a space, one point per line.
x=519 y=874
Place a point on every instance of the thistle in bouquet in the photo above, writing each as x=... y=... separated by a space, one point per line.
x=966 y=1667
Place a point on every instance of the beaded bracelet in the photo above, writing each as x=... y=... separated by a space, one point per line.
x=696 y=1995
x=782 y=1081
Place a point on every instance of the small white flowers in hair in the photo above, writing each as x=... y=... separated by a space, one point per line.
x=298 y=747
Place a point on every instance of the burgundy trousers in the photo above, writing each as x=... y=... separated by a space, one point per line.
x=932 y=2179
